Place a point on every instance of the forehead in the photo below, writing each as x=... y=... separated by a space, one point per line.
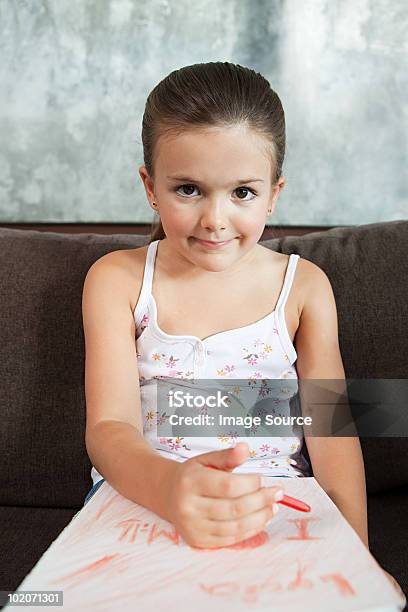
x=237 y=148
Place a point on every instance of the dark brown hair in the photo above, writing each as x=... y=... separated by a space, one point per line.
x=213 y=94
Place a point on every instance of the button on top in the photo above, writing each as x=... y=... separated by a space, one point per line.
x=200 y=351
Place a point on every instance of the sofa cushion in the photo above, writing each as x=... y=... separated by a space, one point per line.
x=43 y=456
x=25 y=535
x=42 y=400
x=368 y=269
x=388 y=534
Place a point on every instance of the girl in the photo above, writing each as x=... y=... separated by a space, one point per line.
x=205 y=300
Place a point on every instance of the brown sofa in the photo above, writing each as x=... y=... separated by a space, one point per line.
x=44 y=467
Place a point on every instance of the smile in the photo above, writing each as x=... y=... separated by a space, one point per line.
x=212 y=245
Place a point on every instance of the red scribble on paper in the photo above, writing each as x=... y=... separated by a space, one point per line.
x=271 y=584
x=302 y=525
x=221 y=588
x=255 y=541
x=343 y=585
x=106 y=505
x=250 y=592
x=131 y=527
x=156 y=532
x=105 y=565
x=300 y=582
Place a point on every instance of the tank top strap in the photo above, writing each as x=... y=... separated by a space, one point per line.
x=288 y=280
x=147 y=281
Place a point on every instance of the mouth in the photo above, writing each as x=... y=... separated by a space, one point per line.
x=212 y=244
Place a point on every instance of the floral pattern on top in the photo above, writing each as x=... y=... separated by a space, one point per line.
x=254 y=358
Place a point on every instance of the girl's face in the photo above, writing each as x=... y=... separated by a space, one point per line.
x=214 y=185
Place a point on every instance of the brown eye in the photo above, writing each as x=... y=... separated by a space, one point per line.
x=184 y=187
x=246 y=189
x=188 y=190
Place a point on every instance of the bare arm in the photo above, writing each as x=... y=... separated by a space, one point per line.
x=338 y=467
x=130 y=465
x=114 y=429
x=337 y=461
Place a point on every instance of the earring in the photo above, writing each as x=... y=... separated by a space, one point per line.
x=154 y=204
x=269 y=211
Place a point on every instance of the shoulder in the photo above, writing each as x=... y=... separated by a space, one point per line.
x=313 y=283
x=317 y=337
x=121 y=270
x=122 y=259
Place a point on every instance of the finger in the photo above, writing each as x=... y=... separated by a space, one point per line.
x=240 y=528
x=214 y=542
x=226 y=459
x=237 y=507
x=226 y=485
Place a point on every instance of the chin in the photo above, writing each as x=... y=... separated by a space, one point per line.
x=215 y=266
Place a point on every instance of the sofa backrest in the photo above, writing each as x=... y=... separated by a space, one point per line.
x=43 y=459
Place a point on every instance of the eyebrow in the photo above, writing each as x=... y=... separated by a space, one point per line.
x=195 y=181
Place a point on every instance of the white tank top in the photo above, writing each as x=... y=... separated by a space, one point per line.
x=258 y=351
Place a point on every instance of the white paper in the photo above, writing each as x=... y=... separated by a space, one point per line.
x=115 y=554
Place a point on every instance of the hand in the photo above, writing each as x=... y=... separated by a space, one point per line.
x=394 y=582
x=215 y=508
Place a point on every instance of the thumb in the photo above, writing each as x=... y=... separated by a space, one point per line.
x=225 y=459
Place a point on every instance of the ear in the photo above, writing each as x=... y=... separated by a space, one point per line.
x=148 y=185
x=275 y=193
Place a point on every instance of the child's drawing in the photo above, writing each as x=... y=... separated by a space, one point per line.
x=117 y=554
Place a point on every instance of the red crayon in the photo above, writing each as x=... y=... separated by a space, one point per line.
x=290 y=502
x=294 y=503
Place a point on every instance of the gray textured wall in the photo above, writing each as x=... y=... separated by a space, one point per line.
x=74 y=77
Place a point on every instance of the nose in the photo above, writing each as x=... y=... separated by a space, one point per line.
x=213 y=216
